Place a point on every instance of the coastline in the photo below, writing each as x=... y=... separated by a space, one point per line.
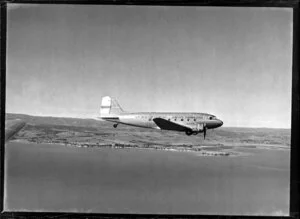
x=212 y=150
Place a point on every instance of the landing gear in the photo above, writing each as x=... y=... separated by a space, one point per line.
x=188 y=132
x=115 y=125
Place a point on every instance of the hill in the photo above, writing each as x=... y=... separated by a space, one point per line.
x=101 y=131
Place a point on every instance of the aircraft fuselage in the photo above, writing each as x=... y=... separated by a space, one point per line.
x=145 y=120
x=190 y=123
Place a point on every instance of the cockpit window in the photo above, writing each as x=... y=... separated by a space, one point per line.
x=211 y=117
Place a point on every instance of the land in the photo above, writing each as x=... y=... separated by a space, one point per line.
x=74 y=132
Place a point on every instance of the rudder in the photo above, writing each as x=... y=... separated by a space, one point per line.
x=109 y=107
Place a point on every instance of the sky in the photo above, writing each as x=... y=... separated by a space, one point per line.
x=235 y=63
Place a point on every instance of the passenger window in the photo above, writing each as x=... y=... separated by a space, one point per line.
x=181 y=119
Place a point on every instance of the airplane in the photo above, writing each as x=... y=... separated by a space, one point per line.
x=190 y=123
x=12 y=127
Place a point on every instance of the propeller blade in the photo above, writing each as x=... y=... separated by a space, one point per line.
x=204 y=132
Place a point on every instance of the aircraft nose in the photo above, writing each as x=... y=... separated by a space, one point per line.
x=220 y=123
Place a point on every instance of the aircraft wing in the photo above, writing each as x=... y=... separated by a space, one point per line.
x=168 y=125
x=12 y=127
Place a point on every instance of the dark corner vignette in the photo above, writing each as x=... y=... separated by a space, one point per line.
x=294 y=179
x=295 y=140
x=3 y=19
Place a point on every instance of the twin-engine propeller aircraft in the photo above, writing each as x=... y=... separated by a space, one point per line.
x=190 y=123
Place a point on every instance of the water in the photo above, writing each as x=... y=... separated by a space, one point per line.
x=44 y=177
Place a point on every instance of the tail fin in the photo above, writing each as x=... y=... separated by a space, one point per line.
x=109 y=107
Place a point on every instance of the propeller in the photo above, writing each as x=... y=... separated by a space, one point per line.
x=204 y=131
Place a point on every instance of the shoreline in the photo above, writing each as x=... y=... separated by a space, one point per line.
x=119 y=146
x=215 y=151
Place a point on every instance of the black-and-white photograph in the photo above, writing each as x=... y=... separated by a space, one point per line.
x=148 y=109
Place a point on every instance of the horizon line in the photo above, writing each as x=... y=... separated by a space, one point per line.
x=95 y=118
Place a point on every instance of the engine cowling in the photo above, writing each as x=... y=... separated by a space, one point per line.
x=199 y=128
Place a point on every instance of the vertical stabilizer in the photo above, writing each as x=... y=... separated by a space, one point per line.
x=109 y=107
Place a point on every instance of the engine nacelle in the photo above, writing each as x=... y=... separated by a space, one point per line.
x=199 y=128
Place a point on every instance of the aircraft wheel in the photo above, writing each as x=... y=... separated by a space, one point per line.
x=189 y=132
x=115 y=125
